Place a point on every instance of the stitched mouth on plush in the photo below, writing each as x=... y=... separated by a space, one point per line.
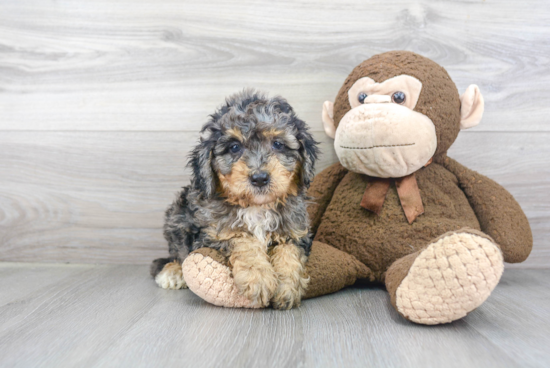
x=380 y=146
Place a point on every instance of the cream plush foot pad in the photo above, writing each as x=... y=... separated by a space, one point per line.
x=212 y=281
x=449 y=279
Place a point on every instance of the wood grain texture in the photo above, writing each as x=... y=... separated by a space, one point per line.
x=493 y=322
x=116 y=316
x=141 y=65
x=100 y=197
x=90 y=197
x=99 y=104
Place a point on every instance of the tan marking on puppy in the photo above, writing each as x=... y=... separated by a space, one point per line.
x=294 y=234
x=235 y=185
x=272 y=133
x=253 y=274
x=282 y=182
x=289 y=261
x=171 y=277
x=222 y=235
x=235 y=133
x=298 y=172
x=298 y=233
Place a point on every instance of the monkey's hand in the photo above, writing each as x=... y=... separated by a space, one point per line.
x=498 y=213
x=321 y=190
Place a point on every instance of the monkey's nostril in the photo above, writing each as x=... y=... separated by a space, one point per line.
x=260 y=179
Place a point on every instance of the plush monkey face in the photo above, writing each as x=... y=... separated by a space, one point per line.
x=396 y=111
x=381 y=135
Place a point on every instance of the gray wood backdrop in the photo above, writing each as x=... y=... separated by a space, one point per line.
x=100 y=102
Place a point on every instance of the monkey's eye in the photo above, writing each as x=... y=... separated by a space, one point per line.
x=278 y=145
x=361 y=97
x=235 y=148
x=398 y=97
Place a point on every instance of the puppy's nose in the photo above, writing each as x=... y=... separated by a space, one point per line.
x=260 y=179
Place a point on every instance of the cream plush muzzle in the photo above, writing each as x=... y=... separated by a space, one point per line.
x=384 y=140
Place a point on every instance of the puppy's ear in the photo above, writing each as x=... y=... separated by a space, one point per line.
x=200 y=161
x=308 y=151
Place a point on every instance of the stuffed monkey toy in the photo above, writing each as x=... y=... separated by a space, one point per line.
x=396 y=209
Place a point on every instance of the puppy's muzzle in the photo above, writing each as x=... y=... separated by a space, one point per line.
x=259 y=179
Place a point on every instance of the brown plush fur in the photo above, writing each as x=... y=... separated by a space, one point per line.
x=379 y=240
x=439 y=99
x=322 y=190
x=396 y=273
x=453 y=196
x=330 y=270
x=499 y=214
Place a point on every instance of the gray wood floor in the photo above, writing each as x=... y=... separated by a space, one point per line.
x=55 y=315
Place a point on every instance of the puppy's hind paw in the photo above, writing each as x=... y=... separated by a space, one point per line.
x=171 y=277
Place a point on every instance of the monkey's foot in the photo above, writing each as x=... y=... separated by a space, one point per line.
x=207 y=275
x=450 y=278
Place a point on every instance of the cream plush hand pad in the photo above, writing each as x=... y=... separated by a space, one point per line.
x=452 y=277
x=212 y=281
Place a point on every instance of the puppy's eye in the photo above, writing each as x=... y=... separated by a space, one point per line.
x=361 y=97
x=398 y=97
x=235 y=148
x=278 y=145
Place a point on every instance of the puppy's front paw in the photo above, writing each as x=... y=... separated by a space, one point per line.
x=289 y=294
x=171 y=277
x=255 y=282
x=289 y=264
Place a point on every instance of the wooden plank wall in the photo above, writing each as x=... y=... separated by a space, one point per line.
x=101 y=101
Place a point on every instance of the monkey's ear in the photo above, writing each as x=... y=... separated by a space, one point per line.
x=328 y=119
x=471 y=109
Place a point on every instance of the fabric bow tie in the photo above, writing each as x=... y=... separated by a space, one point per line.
x=407 y=190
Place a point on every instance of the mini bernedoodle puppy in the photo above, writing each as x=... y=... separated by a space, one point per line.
x=247 y=199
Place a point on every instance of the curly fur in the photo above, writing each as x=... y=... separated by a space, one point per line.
x=220 y=205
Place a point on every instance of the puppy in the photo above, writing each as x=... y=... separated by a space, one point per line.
x=247 y=199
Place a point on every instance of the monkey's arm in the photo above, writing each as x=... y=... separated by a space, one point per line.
x=321 y=190
x=499 y=215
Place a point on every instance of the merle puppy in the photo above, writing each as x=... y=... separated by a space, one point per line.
x=247 y=199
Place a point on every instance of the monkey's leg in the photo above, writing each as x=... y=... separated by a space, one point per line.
x=208 y=275
x=331 y=270
x=449 y=278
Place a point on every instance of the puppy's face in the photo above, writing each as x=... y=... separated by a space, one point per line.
x=259 y=165
x=258 y=150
